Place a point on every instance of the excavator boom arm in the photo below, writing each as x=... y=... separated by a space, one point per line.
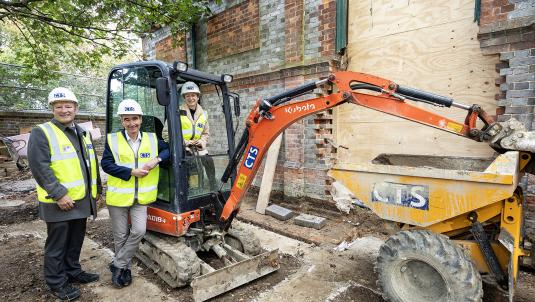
x=272 y=116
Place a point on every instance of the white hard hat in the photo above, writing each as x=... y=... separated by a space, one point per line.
x=189 y=87
x=61 y=94
x=129 y=106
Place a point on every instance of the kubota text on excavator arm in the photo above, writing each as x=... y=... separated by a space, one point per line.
x=269 y=117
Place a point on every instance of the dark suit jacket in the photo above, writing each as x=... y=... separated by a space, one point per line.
x=39 y=162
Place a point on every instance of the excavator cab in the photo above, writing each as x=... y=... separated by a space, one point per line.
x=190 y=184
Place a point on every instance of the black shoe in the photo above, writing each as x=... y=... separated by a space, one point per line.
x=84 y=277
x=116 y=273
x=66 y=292
x=126 y=276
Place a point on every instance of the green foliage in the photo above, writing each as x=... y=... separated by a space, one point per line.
x=74 y=43
x=67 y=35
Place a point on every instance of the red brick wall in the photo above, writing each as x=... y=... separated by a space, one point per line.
x=166 y=52
x=269 y=47
x=505 y=25
x=327 y=17
x=234 y=30
x=301 y=168
x=494 y=11
x=293 y=15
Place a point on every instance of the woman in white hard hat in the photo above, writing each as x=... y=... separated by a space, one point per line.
x=131 y=158
x=195 y=129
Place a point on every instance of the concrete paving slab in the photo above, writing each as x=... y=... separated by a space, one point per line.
x=271 y=241
x=279 y=212
x=11 y=203
x=18 y=186
x=310 y=221
x=103 y=214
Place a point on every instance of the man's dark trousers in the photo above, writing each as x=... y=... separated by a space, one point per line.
x=62 y=251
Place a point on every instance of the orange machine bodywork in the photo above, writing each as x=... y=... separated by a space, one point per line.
x=165 y=222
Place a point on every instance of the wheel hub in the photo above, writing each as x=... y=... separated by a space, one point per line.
x=416 y=280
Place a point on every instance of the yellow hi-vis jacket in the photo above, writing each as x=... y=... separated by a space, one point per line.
x=122 y=193
x=191 y=132
x=65 y=164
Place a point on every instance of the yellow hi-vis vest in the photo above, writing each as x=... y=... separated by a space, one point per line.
x=190 y=132
x=66 y=166
x=122 y=193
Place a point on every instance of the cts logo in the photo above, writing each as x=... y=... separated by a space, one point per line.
x=413 y=196
x=144 y=155
x=251 y=157
x=200 y=125
x=128 y=108
x=59 y=95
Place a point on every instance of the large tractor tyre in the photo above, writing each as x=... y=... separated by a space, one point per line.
x=243 y=240
x=421 y=266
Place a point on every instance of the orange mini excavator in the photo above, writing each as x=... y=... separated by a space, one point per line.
x=192 y=216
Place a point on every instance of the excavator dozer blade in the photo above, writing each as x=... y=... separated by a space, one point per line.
x=222 y=280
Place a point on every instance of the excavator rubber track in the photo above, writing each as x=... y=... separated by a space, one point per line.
x=171 y=259
x=178 y=265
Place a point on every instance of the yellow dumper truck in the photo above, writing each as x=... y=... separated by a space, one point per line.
x=461 y=218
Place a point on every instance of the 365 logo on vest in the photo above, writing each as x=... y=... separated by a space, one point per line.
x=144 y=155
x=200 y=125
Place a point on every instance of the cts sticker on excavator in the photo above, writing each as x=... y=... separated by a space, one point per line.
x=251 y=157
x=414 y=196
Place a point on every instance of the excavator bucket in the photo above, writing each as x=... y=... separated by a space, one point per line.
x=215 y=282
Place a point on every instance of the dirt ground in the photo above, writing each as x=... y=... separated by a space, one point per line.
x=358 y=223
x=100 y=231
x=311 y=270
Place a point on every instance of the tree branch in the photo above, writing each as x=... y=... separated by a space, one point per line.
x=17 y=4
x=34 y=47
x=42 y=17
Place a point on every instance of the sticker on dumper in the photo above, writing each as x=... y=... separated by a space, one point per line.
x=406 y=195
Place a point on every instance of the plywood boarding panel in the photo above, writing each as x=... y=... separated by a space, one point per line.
x=430 y=45
x=380 y=18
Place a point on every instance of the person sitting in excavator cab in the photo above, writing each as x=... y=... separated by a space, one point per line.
x=195 y=129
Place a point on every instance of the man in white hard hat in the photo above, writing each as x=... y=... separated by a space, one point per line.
x=65 y=167
x=131 y=158
x=195 y=129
